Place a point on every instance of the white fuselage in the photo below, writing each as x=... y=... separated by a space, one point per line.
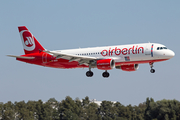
x=125 y=53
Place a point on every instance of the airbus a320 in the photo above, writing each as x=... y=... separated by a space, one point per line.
x=124 y=57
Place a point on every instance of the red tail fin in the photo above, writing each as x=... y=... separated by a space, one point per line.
x=30 y=44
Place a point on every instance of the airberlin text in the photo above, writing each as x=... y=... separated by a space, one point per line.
x=124 y=51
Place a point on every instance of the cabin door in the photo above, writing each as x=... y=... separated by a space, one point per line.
x=148 y=49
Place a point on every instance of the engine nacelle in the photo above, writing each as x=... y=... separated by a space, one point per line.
x=105 y=64
x=130 y=67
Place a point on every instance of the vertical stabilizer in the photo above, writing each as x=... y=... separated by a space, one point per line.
x=30 y=44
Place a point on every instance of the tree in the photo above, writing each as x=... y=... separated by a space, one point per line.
x=9 y=112
x=68 y=109
x=22 y=111
x=91 y=112
x=164 y=109
x=31 y=106
x=41 y=113
x=121 y=111
x=85 y=101
x=1 y=109
x=107 y=111
x=53 y=104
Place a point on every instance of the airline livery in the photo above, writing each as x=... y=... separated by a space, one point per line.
x=124 y=57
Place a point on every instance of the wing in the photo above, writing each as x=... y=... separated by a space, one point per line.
x=86 y=60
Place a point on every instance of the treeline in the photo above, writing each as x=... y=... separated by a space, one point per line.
x=70 y=109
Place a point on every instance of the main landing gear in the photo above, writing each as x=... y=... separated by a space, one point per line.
x=152 y=70
x=105 y=74
x=90 y=73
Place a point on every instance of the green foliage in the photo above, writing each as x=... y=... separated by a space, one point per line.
x=69 y=109
x=107 y=110
x=164 y=109
x=8 y=111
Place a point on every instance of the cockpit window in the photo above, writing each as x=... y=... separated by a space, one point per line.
x=161 y=48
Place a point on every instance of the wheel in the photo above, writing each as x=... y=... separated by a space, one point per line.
x=152 y=70
x=105 y=74
x=89 y=73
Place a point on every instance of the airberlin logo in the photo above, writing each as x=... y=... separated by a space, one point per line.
x=27 y=40
x=124 y=51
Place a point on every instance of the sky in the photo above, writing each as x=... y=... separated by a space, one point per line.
x=59 y=25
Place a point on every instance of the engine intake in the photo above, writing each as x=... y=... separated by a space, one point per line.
x=105 y=64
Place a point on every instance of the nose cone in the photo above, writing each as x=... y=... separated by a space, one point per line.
x=170 y=54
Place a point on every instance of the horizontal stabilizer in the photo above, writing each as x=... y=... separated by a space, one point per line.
x=22 y=57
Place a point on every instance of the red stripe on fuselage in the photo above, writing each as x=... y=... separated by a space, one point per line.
x=65 y=64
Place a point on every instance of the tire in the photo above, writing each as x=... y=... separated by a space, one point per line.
x=152 y=70
x=105 y=74
x=89 y=74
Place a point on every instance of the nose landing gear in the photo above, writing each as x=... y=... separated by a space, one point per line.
x=152 y=70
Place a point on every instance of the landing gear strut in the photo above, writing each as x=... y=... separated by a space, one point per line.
x=105 y=74
x=152 y=70
x=89 y=73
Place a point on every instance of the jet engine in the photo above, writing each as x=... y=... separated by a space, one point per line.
x=105 y=64
x=130 y=67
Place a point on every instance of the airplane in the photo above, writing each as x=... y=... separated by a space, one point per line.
x=124 y=57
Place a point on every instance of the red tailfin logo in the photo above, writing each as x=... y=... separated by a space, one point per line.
x=28 y=40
